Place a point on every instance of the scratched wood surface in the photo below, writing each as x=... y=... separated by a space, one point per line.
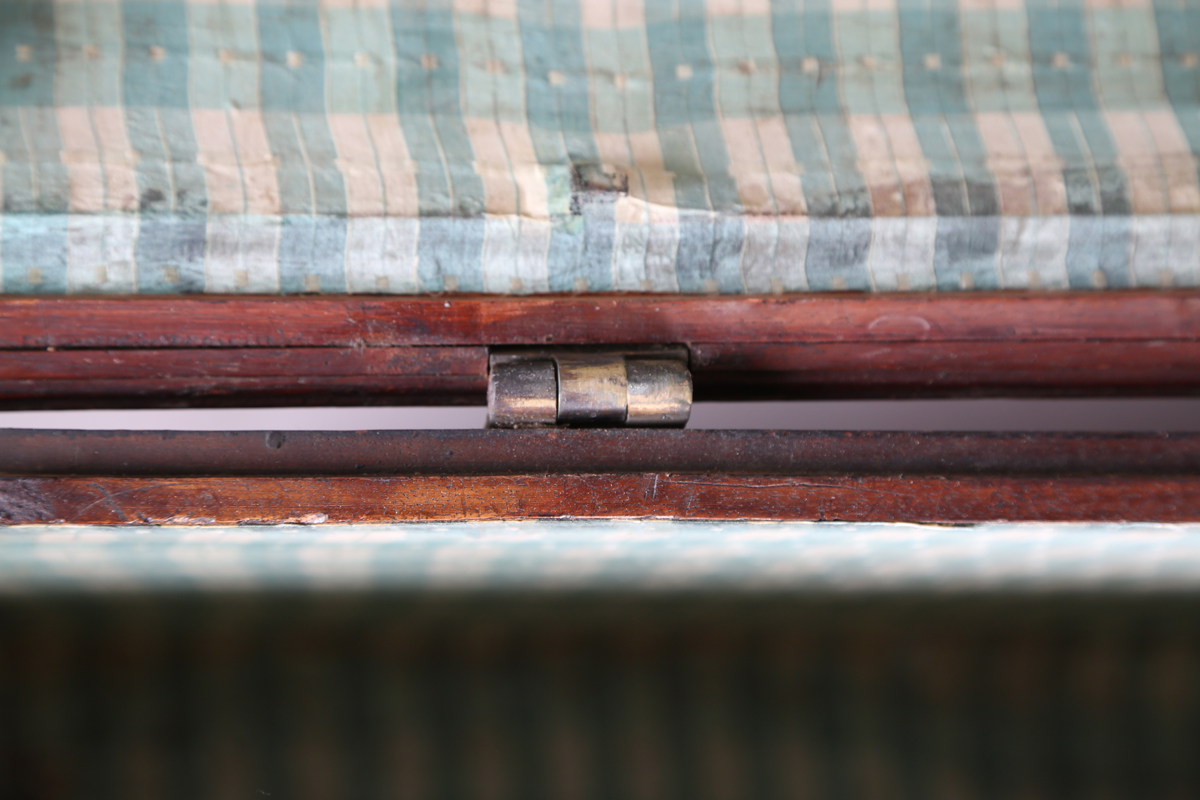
x=146 y=351
x=930 y=499
x=563 y=319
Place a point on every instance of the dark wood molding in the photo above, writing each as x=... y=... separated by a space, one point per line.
x=274 y=477
x=236 y=376
x=220 y=350
x=843 y=370
x=25 y=453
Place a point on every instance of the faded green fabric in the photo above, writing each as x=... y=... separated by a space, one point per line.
x=517 y=146
x=610 y=695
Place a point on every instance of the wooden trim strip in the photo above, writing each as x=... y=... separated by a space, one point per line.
x=926 y=499
x=244 y=362
x=25 y=453
x=273 y=477
x=458 y=375
x=249 y=376
x=837 y=370
x=147 y=351
x=356 y=321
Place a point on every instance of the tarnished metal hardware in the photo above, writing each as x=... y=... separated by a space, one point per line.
x=521 y=394
x=660 y=393
x=637 y=387
x=592 y=389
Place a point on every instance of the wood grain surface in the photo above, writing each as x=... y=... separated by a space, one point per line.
x=928 y=499
x=115 y=478
x=218 y=376
x=165 y=351
x=352 y=321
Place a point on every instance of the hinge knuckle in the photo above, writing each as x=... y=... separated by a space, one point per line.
x=660 y=393
x=592 y=389
x=522 y=394
x=647 y=387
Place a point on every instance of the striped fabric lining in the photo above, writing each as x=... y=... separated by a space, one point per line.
x=647 y=556
x=369 y=696
x=517 y=146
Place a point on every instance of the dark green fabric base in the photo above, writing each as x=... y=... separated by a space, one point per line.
x=598 y=696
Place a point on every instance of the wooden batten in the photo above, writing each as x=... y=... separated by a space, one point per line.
x=141 y=478
x=168 y=351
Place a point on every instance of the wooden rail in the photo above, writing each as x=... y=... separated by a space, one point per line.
x=163 y=351
x=310 y=478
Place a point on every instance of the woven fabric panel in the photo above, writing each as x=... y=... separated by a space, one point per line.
x=652 y=556
x=507 y=698
x=622 y=659
x=513 y=146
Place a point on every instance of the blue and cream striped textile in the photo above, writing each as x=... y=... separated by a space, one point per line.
x=512 y=146
x=646 y=556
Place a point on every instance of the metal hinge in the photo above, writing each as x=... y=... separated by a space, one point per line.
x=631 y=386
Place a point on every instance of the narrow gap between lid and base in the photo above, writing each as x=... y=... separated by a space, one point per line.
x=1099 y=414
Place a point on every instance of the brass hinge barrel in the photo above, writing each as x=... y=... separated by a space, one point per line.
x=637 y=388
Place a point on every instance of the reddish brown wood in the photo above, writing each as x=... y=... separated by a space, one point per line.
x=200 y=363
x=72 y=352
x=351 y=321
x=926 y=369
x=243 y=392
x=243 y=376
x=249 y=500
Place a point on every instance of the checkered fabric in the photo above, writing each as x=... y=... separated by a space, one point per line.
x=511 y=146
